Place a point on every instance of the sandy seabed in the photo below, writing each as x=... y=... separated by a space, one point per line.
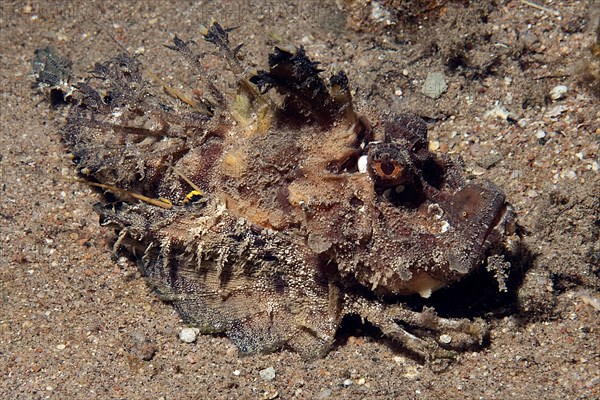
x=76 y=324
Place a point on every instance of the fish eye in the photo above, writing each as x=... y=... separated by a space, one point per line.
x=389 y=165
x=387 y=169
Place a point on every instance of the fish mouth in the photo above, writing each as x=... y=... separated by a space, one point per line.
x=483 y=220
x=503 y=225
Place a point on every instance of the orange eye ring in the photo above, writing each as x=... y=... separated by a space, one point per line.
x=387 y=169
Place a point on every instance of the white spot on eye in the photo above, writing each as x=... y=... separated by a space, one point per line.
x=400 y=188
x=362 y=164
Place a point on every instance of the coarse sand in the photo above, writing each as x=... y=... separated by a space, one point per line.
x=76 y=323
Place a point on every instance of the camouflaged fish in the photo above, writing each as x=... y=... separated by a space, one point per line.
x=270 y=213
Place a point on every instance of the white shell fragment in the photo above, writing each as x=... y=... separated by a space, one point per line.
x=445 y=339
x=189 y=335
x=267 y=374
x=362 y=164
x=558 y=92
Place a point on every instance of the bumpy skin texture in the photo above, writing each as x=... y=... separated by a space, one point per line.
x=292 y=230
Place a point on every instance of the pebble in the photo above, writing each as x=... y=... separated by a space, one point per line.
x=435 y=85
x=498 y=111
x=61 y=346
x=540 y=134
x=267 y=374
x=270 y=395
x=434 y=145
x=558 y=92
x=324 y=394
x=556 y=111
x=189 y=335
x=141 y=347
x=139 y=336
x=347 y=383
x=445 y=339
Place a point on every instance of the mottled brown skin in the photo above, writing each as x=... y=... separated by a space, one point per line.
x=290 y=234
